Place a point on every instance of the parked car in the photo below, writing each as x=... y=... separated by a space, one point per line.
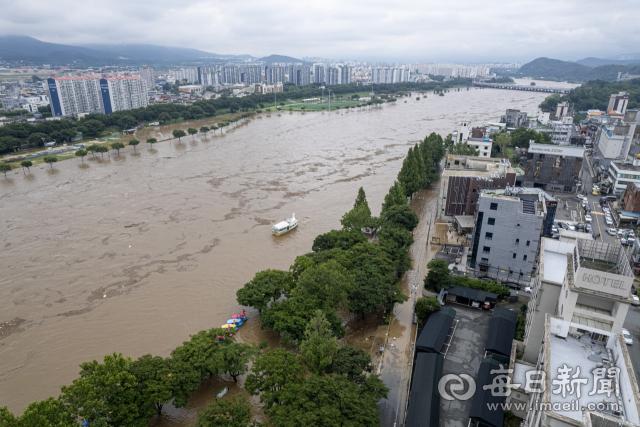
x=587 y=218
x=564 y=225
x=606 y=209
x=571 y=227
x=608 y=221
x=555 y=236
x=612 y=231
x=527 y=289
x=627 y=336
x=587 y=208
x=513 y=285
x=485 y=279
x=486 y=305
x=554 y=229
x=581 y=197
x=580 y=227
x=636 y=300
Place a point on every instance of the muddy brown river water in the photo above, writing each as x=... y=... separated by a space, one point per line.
x=132 y=253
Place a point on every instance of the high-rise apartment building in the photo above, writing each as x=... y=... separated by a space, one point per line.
x=230 y=75
x=318 y=73
x=208 y=75
x=345 y=75
x=300 y=75
x=274 y=74
x=332 y=76
x=123 y=93
x=70 y=96
x=251 y=74
x=185 y=74
x=147 y=75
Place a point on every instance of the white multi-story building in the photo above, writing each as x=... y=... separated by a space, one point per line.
x=274 y=74
x=147 y=75
x=189 y=74
x=29 y=103
x=230 y=75
x=208 y=75
x=123 y=93
x=268 y=87
x=300 y=75
x=318 y=73
x=70 y=96
x=345 y=75
x=251 y=74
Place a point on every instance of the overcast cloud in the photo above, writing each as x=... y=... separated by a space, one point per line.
x=456 y=30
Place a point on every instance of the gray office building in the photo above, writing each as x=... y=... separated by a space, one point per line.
x=274 y=74
x=508 y=227
x=230 y=74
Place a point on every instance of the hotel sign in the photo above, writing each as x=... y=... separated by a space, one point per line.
x=608 y=283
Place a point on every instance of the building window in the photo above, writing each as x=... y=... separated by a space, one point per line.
x=485 y=260
x=514 y=256
x=517 y=241
x=517 y=225
x=488 y=236
x=491 y=221
x=528 y=242
x=494 y=206
x=524 y=258
x=486 y=250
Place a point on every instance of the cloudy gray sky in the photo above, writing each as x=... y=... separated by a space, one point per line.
x=456 y=30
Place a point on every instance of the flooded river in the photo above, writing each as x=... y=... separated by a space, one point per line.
x=132 y=253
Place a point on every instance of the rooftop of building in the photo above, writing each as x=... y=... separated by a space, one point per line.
x=553 y=259
x=579 y=356
x=622 y=167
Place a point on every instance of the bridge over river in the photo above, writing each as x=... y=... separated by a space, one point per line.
x=522 y=87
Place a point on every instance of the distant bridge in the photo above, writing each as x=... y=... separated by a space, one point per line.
x=522 y=87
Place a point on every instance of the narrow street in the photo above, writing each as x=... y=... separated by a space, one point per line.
x=395 y=366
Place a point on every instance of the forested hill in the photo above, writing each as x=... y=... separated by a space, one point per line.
x=595 y=95
x=572 y=71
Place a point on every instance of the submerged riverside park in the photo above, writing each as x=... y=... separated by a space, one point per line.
x=133 y=253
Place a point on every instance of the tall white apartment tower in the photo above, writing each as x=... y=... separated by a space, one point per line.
x=123 y=93
x=147 y=75
x=318 y=73
x=70 y=96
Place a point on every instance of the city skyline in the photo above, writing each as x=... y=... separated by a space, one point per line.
x=463 y=31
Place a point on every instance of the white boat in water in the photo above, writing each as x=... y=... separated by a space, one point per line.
x=282 y=227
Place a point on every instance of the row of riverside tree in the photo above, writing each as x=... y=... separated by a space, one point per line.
x=312 y=379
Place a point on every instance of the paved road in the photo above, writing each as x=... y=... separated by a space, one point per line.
x=632 y=323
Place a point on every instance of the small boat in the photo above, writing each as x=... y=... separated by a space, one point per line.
x=284 y=226
x=242 y=316
x=234 y=327
x=236 y=322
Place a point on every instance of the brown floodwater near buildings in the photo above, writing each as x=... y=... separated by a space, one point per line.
x=131 y=253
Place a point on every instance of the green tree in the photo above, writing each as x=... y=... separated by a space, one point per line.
x=319 y=345
x=154 y=383
x=164 y=118
x=373 y=270
x=265 y=286
x=200 y=350
x=395 y=196
x=8 y=143
x=7 y=419
x=329 y=401
x=5 y=167
x=81 y=153
x=46 y=413
x=233 y=359
x=133 y=143
x=358 y=217
x=92 y=127
x=403 y=216
x=105 y=391
x=183 y=379
x=50 y=159
x=273 y=371
x=343 y=239
x=396 y=241
x=192 y=131
x=151 y=141
x=101 y=149
x=214 y=128
x=438 y=276
x=175 y=115
x=26 y=164
x=38 y=139
x=503 y=141
x=117 y=146
x=204 y=129
x=464 y=149
x=234 y=412
x=353 y=363
x=329 y=283
x=426 y=306
x=178 y=134
x=409 y=175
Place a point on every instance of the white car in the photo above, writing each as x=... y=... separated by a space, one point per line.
x=571 y=227
x=612 y=231
x=587 y=218
x=608 y=221
x=627 y=336
x=581 y=197
x=606 y=209
x=527 y=289
x=636 y=300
